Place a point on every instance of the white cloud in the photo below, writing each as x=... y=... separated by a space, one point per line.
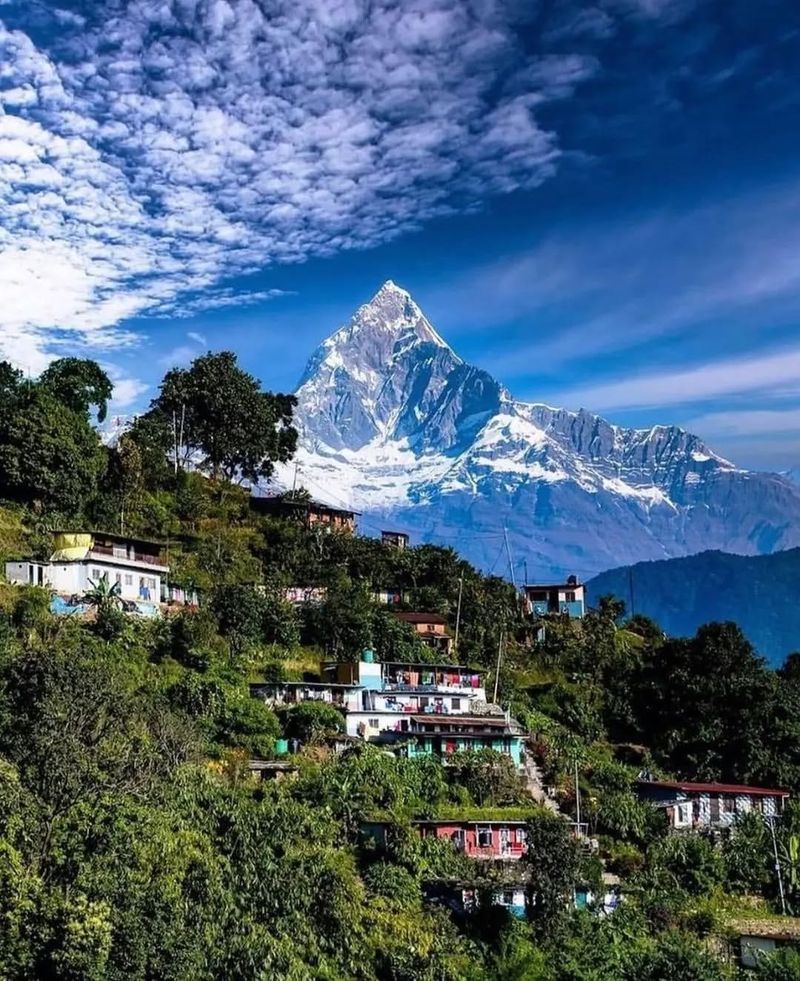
x=733 y=376
x=177 y=356
x=127 y=392
x=153 y=149
x=219 y=300
x=648 y=276
x=748 y=422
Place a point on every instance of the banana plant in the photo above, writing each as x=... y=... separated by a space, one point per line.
x=789 y=854
x=103 y=595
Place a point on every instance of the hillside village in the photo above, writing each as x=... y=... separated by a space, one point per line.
x=327 y=754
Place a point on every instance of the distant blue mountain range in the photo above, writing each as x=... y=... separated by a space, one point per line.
x=759 y=592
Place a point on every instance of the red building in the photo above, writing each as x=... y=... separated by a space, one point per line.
x=493 y=840
x=504 y=840
x=431 y=628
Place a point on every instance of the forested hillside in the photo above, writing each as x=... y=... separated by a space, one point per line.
x=134 y=841
x=758 y=592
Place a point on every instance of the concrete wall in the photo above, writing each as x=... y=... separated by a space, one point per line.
x=131 y=581
x=74 y=578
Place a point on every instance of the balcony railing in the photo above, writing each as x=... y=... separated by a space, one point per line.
x=107 y=552
x=463 y=684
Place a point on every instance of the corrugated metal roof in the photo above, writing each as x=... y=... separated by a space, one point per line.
x=710 y=788
x=421 y=618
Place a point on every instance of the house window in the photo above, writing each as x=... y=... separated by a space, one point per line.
x=118 y=577
x=151 y=584
x=569 y=597
x=521 y=836
x=484 y=837
x=128 y=579
x=508 y=897
x=95 y=573
x=683 y=815
x=455 y=704
x=373 y=723
x=728 y=804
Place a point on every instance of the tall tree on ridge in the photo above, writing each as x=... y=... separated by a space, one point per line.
x=79 y=384
x=221 y=414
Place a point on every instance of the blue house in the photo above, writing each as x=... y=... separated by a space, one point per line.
x=441 y=735
x=566 y=598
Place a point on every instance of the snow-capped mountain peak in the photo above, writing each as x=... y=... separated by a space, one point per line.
x=384 y=374
x=379 y=332
x=393 y=422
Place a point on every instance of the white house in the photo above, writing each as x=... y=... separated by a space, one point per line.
x=379 y=698
x=702 y=806
x=81 y=560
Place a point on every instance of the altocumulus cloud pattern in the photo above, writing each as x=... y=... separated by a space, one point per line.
x=149 y=148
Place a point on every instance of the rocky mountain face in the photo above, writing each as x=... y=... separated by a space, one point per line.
x=388 y=376
x=394 y=424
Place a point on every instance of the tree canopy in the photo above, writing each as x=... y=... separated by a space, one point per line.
x=220 y=415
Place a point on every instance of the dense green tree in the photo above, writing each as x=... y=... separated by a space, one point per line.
x=343 y=623
x=247 y=723
x=310 y=721
x=72 y=727
x=489 y=777
x=394 y=639
x=553 y=863
x=248 y=616
x=79 y=384
x=520 y=959
x=747 y=856
x=704 y=705
x=219 y=413
x=613 y=808
x=692 y=861
x=11 y=384
x=50 y=457
x=153 y=436
x=673 y=957
x=393 y=882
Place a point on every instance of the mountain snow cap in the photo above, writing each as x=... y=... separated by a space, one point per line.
x=392 y=310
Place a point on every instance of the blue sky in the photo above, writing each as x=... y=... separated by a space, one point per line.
x=597 y=202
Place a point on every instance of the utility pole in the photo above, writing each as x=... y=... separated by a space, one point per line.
x=175 y=439
x=180 y=431
x=510 y=562
x=497 y=672
x=771 y=822
x=525 y=567
x=458 y=609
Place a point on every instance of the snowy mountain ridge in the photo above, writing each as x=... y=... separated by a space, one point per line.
x=395 y=424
